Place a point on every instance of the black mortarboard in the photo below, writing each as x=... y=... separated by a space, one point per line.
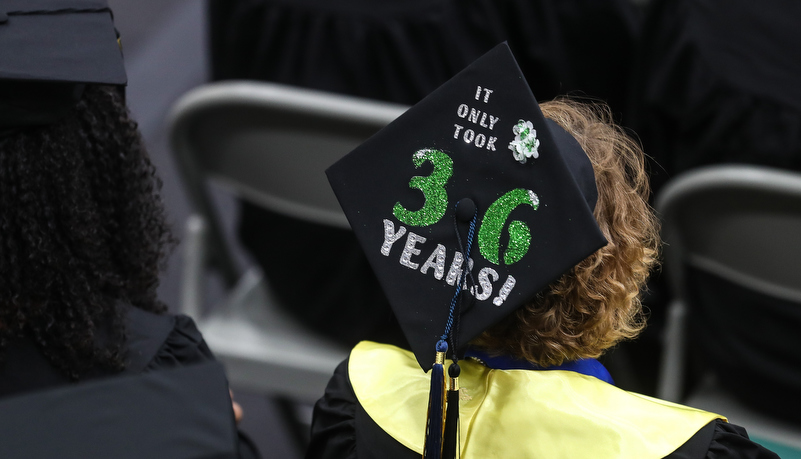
x=48 y=50
x=521 y=182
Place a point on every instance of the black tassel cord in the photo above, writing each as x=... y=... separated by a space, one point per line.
x=450 y=443
x=436 y=406
x=442 y=427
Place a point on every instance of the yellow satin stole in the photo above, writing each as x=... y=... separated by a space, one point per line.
x=521 y=413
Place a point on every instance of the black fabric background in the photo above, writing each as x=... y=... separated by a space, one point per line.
x=717 y=82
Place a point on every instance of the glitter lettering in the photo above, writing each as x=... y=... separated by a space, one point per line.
x=489 y=234
x=469 y=269
x=409 y=249
x=390 y=236
x=473 y=118
x=456 y=268
x=469 y=134
x=436 y=261
x=477 y=117
x=433 y=188
x=505 y=291
x=486 y=284
x=486 y=277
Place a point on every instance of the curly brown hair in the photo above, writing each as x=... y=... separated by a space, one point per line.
x=81 y=229
x=596 y=304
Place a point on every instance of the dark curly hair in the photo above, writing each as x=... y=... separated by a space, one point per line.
x=82 y=230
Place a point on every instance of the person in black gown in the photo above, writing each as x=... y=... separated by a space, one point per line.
x=82 y=227
x=512 y=339
x=83 y=237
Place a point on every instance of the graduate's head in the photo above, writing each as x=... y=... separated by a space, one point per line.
x=469 y=204
x=596 y=304
x=81 y=222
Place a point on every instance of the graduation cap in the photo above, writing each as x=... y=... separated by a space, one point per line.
x=467 y=206
x=49 y=49
x=472 y=176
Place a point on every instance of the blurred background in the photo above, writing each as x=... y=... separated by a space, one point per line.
x=711 y=84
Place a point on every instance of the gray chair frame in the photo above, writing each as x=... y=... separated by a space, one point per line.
x=741 y=223
x=269 y=144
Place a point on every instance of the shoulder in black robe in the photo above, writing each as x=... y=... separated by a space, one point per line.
x=341 y=429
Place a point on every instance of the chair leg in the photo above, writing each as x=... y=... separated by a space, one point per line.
x=194 y=251
x=671 y=373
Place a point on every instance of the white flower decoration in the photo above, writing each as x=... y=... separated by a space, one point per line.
x=525 y=144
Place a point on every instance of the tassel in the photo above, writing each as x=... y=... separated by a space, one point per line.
x=436 y=406
x=450 y=444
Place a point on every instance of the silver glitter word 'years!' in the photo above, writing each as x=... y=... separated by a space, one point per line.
x=436 y=262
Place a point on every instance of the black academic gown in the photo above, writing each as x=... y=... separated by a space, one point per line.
x=153 y=342
x=716 y=81
x=181 y=413
x=342 y=427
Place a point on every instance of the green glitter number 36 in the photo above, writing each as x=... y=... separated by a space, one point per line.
x=489 y=235
x=433 y=188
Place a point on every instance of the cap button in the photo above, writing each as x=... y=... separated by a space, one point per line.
x=465 y=209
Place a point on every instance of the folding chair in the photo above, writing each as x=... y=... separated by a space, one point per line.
x=733 y=258
x=269 y=144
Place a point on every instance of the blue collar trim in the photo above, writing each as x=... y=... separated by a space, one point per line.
x=589 y=367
